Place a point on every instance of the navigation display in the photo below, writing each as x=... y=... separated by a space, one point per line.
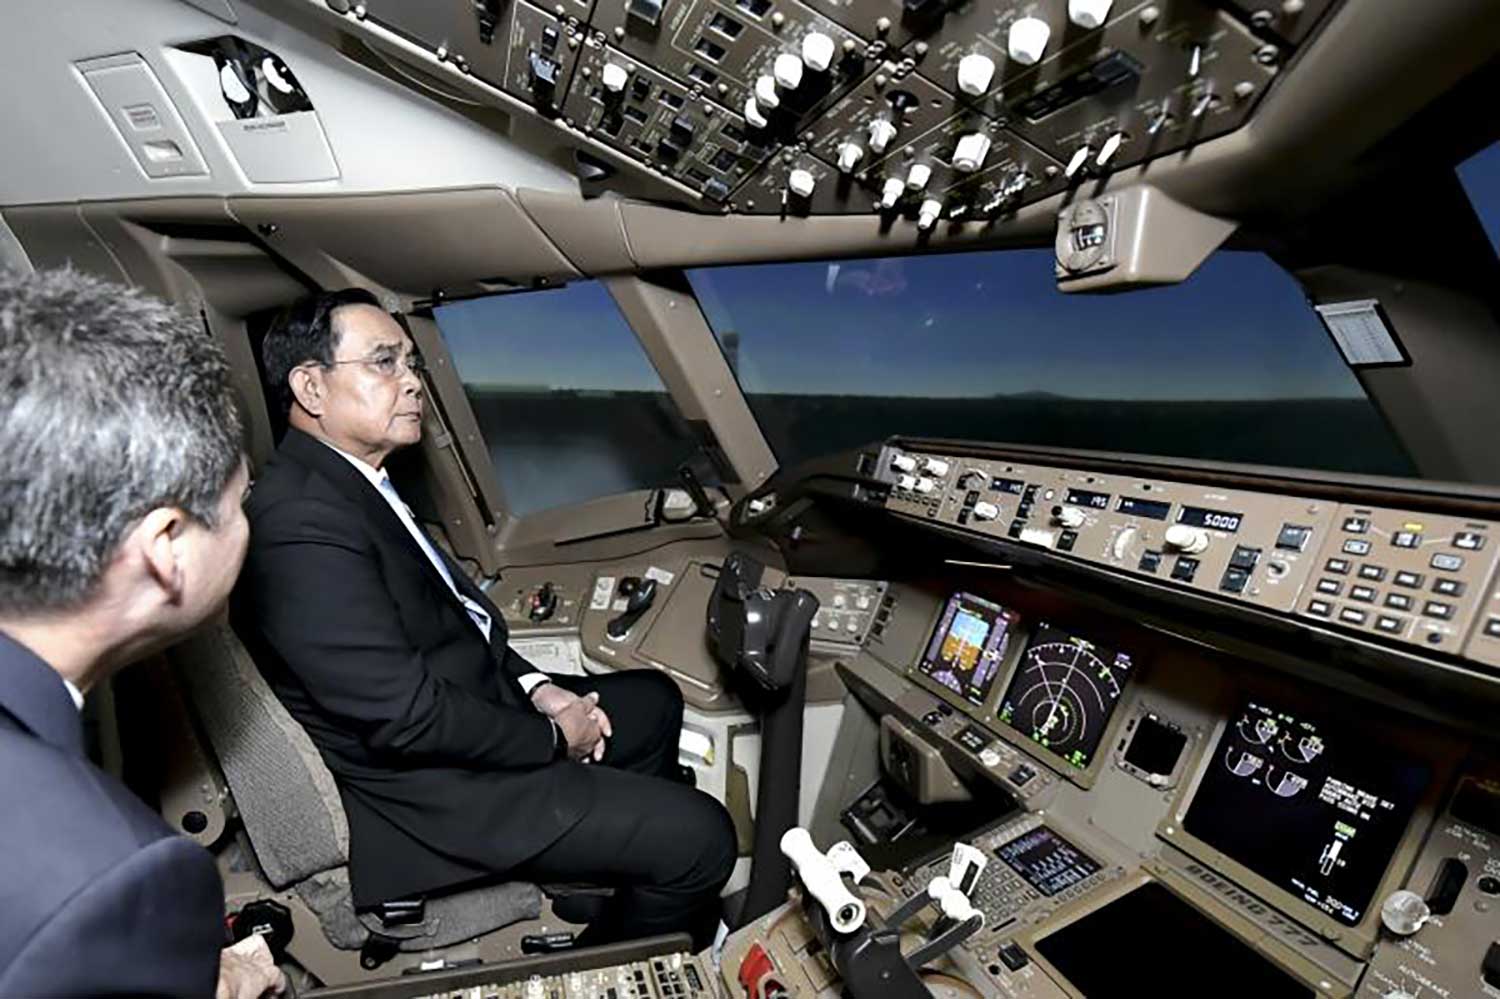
x=968 y=645
x=1064 y=692
x=1046 y=861
x=1315 y=810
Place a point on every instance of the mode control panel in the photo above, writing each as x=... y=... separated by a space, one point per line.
x=1411 y=577
x=1250 y=546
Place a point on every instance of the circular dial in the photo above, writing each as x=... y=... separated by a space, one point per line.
x=1064 y=693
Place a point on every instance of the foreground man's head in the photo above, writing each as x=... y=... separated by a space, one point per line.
x=121 y=472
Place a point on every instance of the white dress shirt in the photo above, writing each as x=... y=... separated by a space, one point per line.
x=74 y=693
x=381 y=480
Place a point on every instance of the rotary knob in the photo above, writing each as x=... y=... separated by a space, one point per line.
x=904 y=463
x=1186 y=538
x=1070 y=516
x=918 y=176
x=817 y=51
x=1404 y=912
x=787 y=70
x=753 y=115
x=936 y=466
x=765 y=92
x=906 y=482
x=1089 y=14
x=925 y=485
x=850 y=153
x=881 y=133
x=613 y=76
x=928 y=214
x=1027 y=40
x=985 y=511
x=801 y=182
x=975 y=71
x=971 y=151
x=892 y=191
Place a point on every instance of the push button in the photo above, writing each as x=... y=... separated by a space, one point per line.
x=1067 y=540
x=1356 y=546
x=1406 y=539
x=1437 y=609
x=1412 y=579
x=1185 y=569
x=1234 y=580
x=1492 y=627
x=1150 y=561
x=1356 y=525
x=1400 y=601
x=1245 y=558
x=1013 y=957
x=1021 y=775
x=1363 y=594
x=1448 y=587
x=1322 y=608
x=1389 y=624
x=1332 y=586
x=1293 y=537
x=1351 y=616
x=1446 y=562
x=1375 y=572
x=1338 y=565
x=1468 y=540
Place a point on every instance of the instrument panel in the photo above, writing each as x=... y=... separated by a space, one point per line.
x=919 y=109
x=1400 y=576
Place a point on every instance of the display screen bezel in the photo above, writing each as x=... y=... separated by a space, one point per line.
x=1439 y=754
x=1015 y=640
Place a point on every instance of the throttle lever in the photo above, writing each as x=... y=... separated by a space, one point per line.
x=637 y=603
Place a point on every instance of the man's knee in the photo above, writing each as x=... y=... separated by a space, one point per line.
x=704 y=840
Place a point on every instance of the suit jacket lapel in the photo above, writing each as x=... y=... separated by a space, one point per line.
x=306 y=450
x=33 y=694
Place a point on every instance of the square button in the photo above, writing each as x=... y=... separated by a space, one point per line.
x=1364 y=594
x=1244 y=558
x=1437 y=609
x=1185 y=568
x=1150 y=562
x=1234 y=580
x=1293 y=537
x=1392 y=625
x=1351 y=616
x=1322 y=608
x=1468 y=540
x=1492 y=627
x=1330 y=586
x=1448 y=587
x=1375 y=572
x=1400 y=601
x=1446 y=562
x=1338 y=565
x=1356 y=525
x=1406 y=539
x=1356 y=546
x=1413 y=579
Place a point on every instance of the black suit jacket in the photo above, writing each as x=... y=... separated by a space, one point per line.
x=98 y=897
x=445 y=768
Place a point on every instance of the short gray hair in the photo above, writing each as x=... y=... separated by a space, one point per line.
x=111 y=404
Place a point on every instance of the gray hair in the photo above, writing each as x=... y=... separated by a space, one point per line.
x=111 y=404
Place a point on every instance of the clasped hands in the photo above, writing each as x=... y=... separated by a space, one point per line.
x=584 y=724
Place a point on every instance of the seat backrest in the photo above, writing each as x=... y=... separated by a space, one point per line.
x=282 y=789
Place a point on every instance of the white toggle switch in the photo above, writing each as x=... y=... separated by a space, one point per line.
x=1108 y=150
x=985 y=511
x=975 y=72
x=926 y=216
x=925 y=485
x=765 y=93
x=892 y=191
x=1076 y=163
x=850 y=154
x=971 y=151
x=1089 y=14
x=904 y=463
x=801 y=183
x=881 y=134
x=613 y=76
x=1028 y=40
x=936 y=466
x=918 y=176
x=753 y=115
x=788 y=70
x=817 y=51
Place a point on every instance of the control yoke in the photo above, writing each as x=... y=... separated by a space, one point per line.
x=867 y=954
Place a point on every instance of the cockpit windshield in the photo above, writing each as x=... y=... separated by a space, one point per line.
x=1231 y=365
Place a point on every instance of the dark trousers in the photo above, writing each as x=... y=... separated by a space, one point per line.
x=666 y=848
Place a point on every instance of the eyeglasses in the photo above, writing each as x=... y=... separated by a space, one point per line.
x=389 y=365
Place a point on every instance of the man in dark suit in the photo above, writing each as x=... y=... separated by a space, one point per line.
x=455 y=758
x=121 y=476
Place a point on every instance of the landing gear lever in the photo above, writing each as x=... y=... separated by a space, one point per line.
x=639 y=595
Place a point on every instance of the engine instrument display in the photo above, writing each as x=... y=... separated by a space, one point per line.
x=1046 y=861
x=1316 y=811
x=968 y=646
x=1064 y=692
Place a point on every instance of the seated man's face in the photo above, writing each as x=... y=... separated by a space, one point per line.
x=373 y=398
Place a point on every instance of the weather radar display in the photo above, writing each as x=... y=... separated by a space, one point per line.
x=1064 y=692
x=967 y=646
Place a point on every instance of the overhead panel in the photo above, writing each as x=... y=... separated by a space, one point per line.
x=918 y=110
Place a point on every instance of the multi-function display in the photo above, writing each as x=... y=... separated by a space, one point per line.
x=968 y=645
x=1150 y=509
x=1046 y=861
x=1315 y=810
x=1216 y=520
x=1064 y=692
